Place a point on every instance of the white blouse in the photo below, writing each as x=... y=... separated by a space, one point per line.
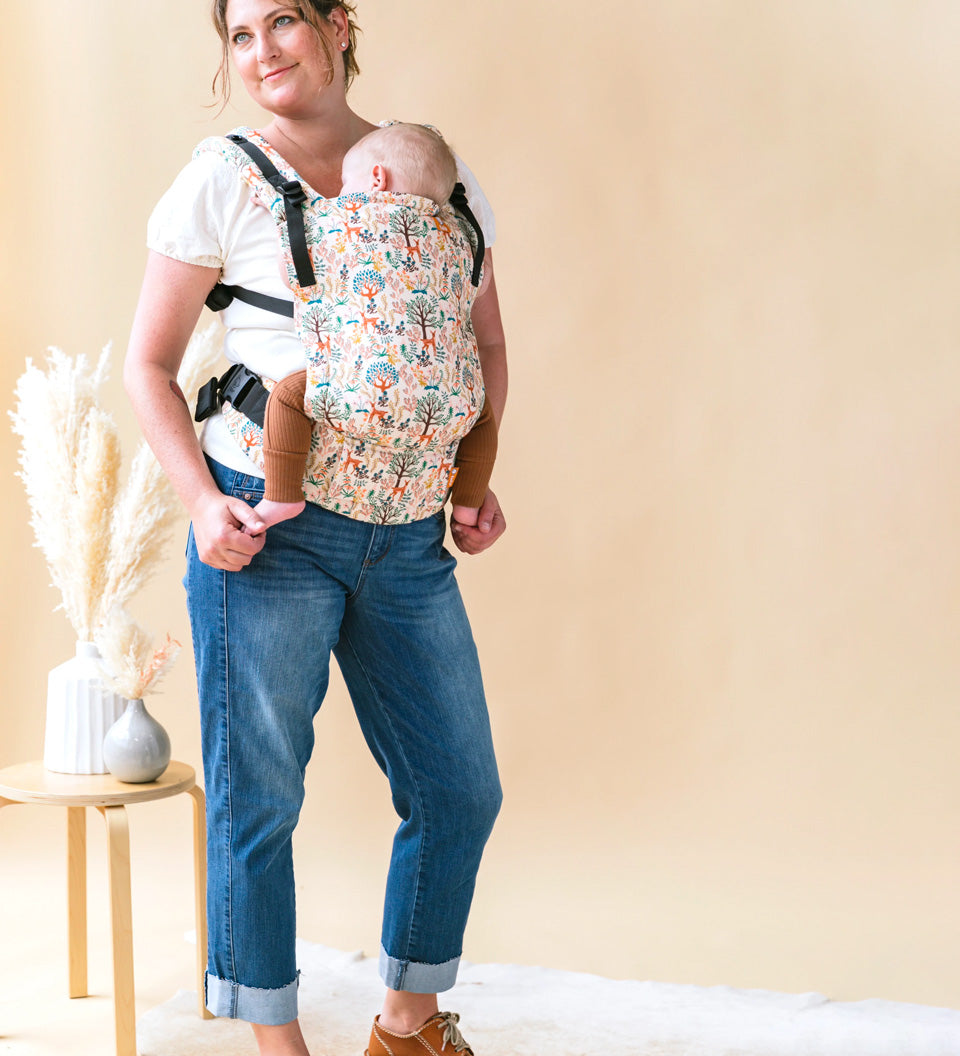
x=207 y=217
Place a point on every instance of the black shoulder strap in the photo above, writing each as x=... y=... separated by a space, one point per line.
x=293 y=198
x=459 y=202
x=221 y=295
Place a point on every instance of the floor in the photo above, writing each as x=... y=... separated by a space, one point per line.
x=36 y=1016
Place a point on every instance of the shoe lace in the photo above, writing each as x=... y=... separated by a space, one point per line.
x=452 y=1035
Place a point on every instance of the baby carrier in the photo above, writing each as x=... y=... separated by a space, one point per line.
x=382 y=286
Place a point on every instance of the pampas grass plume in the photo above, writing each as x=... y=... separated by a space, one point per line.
x=59 y=432
x=101 y=542
x=140 y=529
x=98 y=466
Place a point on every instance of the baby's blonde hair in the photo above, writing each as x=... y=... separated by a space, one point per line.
x=419 y=160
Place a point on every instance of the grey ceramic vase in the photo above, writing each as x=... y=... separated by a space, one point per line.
x=136 y=748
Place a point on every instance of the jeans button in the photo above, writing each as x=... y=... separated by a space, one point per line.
x=247 y=495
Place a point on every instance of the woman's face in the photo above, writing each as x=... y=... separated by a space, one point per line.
x=278 y=56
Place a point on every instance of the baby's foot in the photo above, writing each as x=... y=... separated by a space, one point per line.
x=466 y=515
x=271 y=512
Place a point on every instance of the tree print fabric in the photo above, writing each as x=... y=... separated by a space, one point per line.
x=393 y=374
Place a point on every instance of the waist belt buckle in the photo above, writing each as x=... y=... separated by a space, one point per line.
x=208 y=400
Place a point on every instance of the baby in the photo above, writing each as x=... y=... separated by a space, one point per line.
x=397 y=159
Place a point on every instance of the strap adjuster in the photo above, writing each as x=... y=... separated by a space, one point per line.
x=292 y=192
x=219 y=297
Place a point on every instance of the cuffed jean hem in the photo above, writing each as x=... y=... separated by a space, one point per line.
x=272 y=1007
x=417 y=978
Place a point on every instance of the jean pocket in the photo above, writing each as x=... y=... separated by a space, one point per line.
x=248 y=488
x=236 y=484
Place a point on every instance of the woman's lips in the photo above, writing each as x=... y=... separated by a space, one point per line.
x=277 y=73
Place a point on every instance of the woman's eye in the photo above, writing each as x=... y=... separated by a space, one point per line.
x=240 y=38
x=283 y=20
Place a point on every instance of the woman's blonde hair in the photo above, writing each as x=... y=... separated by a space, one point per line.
x=312 y=12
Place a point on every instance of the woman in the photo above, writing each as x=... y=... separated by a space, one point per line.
x=266 y=609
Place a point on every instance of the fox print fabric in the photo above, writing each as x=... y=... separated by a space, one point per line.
x=393 y=375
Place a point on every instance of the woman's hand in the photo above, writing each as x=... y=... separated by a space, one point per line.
x=227 y=532
x=490 y=526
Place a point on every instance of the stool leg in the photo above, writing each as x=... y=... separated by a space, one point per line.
x=118 y=839
x=200 y=891
x=77 y=899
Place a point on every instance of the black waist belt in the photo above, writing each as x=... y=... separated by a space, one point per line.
x=239 y=387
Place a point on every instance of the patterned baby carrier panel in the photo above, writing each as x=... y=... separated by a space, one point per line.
x=393 y=375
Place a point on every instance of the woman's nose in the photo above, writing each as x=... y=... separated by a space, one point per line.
x=266 y=47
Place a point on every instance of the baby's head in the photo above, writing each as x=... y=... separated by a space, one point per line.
x=404 y=159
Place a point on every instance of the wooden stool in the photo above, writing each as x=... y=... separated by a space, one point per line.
x=31 y=783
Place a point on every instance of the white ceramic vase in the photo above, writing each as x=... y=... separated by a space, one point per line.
x=81 y=707
x=136 y=748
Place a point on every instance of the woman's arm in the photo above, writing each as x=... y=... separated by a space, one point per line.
x=170 y=301
x=491 y=343
x=492 y=347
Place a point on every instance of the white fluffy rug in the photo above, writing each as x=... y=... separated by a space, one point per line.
x=509 y=1010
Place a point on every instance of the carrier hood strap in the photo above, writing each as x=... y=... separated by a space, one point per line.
x=458 y=199
x=293 y=199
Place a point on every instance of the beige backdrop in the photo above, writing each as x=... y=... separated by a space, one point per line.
x=720 y=637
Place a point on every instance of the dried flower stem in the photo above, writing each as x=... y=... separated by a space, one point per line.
x=101 y=542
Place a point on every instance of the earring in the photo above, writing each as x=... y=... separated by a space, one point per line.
x=343 y=45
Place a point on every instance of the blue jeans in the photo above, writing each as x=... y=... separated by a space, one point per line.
x=384 y=599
